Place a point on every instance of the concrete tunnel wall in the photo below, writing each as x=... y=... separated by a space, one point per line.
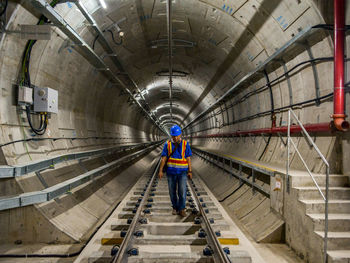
x=73 y=217
x=229 y=45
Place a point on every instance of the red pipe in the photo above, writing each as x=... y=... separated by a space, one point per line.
x=339 y=93
x=319 y=127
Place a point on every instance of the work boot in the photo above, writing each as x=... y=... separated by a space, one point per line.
x=183 y=213
x=174 y=212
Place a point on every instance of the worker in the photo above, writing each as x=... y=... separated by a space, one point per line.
x=177 y=162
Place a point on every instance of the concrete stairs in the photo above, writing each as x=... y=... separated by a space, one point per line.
x=338 y=215
x=339 y=256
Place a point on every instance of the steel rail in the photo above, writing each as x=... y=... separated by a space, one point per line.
x=48 y=11
x=62 y=188
x=125 y=246
x=7 y=171
x=219 y=255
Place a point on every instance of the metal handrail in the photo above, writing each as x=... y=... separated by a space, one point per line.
x=311 y=143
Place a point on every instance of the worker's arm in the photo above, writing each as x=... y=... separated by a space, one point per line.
x=162 y=163
x=189 y=174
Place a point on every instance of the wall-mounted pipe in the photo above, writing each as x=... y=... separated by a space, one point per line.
x=318 y=127
x=110 y=52
x=86 y=51
x=170 y=53
x=339 y=91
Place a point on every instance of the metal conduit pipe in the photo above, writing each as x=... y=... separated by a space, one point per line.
x=339 y=91
x=109 y=50
x=276 y=109
x=273 y=116
x=319 y=127
x=276 y=56
x=170 y=52
x=45 y=9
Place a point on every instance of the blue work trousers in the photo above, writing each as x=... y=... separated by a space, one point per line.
x=177 y=190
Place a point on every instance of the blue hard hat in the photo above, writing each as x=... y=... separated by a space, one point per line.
x=175 y=130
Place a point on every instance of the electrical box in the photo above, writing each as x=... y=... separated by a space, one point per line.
x=45 y=100
x=25 y=95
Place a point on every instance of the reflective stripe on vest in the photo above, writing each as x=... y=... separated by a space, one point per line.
x=176 y=162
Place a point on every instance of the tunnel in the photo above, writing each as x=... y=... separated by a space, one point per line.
x=90 y=91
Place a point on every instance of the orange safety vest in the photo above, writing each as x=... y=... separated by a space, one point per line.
x=175 y=162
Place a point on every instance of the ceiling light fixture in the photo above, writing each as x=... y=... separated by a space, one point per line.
x=103 y=3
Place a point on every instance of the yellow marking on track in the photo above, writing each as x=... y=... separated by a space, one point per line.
x=112 y=241
x=228 y=241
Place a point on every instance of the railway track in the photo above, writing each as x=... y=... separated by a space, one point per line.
x=143 y=229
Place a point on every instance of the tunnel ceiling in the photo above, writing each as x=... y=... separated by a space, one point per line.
x=216 y=43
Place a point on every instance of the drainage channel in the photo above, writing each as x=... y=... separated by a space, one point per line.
x=144 y=229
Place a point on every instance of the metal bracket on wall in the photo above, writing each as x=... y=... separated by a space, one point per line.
x=105 y=55
x=253 y=180
x=41 y=179
x=237 y=139
x=252 y=137
x=222 y=116
x=104 y=159
x=284 y=142
x=233 y=112
x=81 y=164
x=264 y=138
x=67 y=43
x=306 y=45
x=285 y=69
x=227 y=115
x=270 y=90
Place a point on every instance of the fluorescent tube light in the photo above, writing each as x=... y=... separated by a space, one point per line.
x=103 y=4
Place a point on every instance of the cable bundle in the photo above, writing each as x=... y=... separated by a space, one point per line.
x=3 y=11
x=25 y=78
